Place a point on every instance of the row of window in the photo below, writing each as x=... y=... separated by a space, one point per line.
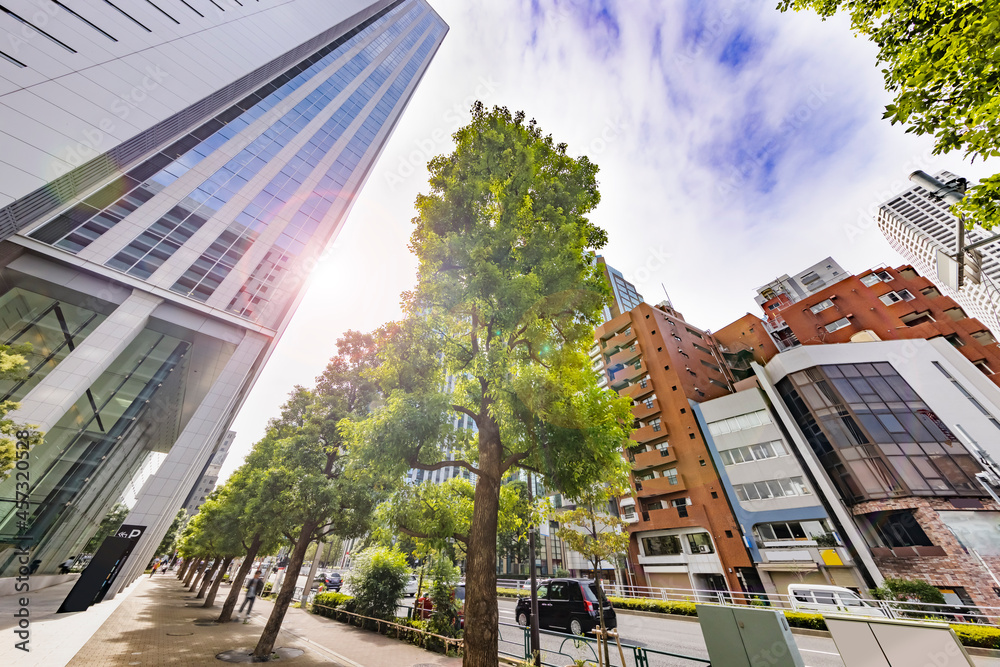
x=757 y=452
x=739 y=422
x=772 y=488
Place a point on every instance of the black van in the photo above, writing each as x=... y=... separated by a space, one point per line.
x=569 y=605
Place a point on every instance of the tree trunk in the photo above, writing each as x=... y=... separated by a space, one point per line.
x=312 y=570
x=199 y=575
x=481 y=614
x=207 y=579
x=210 y=600
x=182 y=570
x=237 y=582
x=270 y=634
x=193 y=571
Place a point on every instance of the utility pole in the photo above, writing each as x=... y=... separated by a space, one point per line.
x=536 y=649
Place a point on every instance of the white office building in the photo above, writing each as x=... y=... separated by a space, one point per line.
x=918 y=226
x=168 y=174
x=206 y=483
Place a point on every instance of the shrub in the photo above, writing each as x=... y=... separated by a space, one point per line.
x=982 y=636
x=378 y=581
x=267 y=589
x=657 y=606
x=509 y=592
x=904 y=590
x=325 y=604
x=444 y=616
x=808 y=621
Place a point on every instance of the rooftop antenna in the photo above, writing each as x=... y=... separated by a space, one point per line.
x=669 y=302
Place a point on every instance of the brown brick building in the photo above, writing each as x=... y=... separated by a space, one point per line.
x=679 y=510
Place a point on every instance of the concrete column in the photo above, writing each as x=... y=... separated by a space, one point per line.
x=164 y=493
x=65 y=384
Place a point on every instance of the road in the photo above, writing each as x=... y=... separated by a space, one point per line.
x=681 y=637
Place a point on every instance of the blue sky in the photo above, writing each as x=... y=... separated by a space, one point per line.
x=735 y=144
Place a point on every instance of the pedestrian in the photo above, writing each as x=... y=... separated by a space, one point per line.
x=34 y=566
x=66 y=565
x=253 y=590
x=156 y=566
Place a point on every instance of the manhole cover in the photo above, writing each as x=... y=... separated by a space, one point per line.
x=246 y=654
x=179 y=634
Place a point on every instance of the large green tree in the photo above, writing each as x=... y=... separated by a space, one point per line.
x=323 y=499
x=940 y=61
x=169 y=542
x=505 y=306
x=109 y=526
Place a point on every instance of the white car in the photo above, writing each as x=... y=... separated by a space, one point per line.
x=814 y=598
x=411 y=585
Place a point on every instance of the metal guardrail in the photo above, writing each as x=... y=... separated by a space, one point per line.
x=515 y=642
x=892 y=609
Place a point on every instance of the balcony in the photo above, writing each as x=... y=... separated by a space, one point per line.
x=637 y=391
x=628 y=374
x=641 y=411
x=655 y=457
x=620 y=340
x=670 y=518
x=625 y=356
x=648 y=434
x=659 y=486
x=804 y=551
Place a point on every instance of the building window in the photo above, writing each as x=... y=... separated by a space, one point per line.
x=758 y=452
x=681 y=505
x=772 y=488
x=700 y=543
x=895 y=529
x=628 y=512
x=739 y=423
x=870 y=279
x=890 y=298
x=670 y=475
x=649 y=402
x=839 y=324
x=792 y=530
x=984 y=337
x=956 y=314
x=822 y=305
x=655 y=423
x=916 y=319
x=983 y=366
x=662 y=545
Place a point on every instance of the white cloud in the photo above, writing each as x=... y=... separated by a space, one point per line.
x=737 y=172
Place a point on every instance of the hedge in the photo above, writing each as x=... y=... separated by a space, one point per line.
x=329 y=604
x=980 y=636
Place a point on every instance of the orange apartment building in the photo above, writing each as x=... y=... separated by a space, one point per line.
x=881 y=304
x=678 y=506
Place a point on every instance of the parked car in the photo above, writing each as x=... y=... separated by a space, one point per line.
x=411 y=585
x=425 y=607
x=333 y=581
x=819 y=599
x=567 y=604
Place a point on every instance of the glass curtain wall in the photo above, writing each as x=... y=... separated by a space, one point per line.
x=874 y=435
x=71 y=469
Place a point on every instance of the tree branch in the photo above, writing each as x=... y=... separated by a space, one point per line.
x=413 y=463
x=512 y=460
x=473 y=415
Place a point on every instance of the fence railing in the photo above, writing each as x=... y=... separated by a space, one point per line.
x=450 y=643
x=559 y=649
x=891 y=609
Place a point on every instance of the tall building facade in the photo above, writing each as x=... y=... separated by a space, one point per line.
x=683 y=533
x=154 y=279
x=920 y=226
x=624 y=296
x=206 y=483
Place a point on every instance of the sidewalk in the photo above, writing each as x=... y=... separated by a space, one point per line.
x=160 y=623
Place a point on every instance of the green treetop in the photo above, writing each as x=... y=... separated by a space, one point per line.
x=505 y=306
x=940 y=61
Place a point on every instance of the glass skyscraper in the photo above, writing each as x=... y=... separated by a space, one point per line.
x=168 y=174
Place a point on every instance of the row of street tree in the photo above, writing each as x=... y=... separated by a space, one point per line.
x=503 y=312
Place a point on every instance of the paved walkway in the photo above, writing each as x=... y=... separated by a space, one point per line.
x=160 y=623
